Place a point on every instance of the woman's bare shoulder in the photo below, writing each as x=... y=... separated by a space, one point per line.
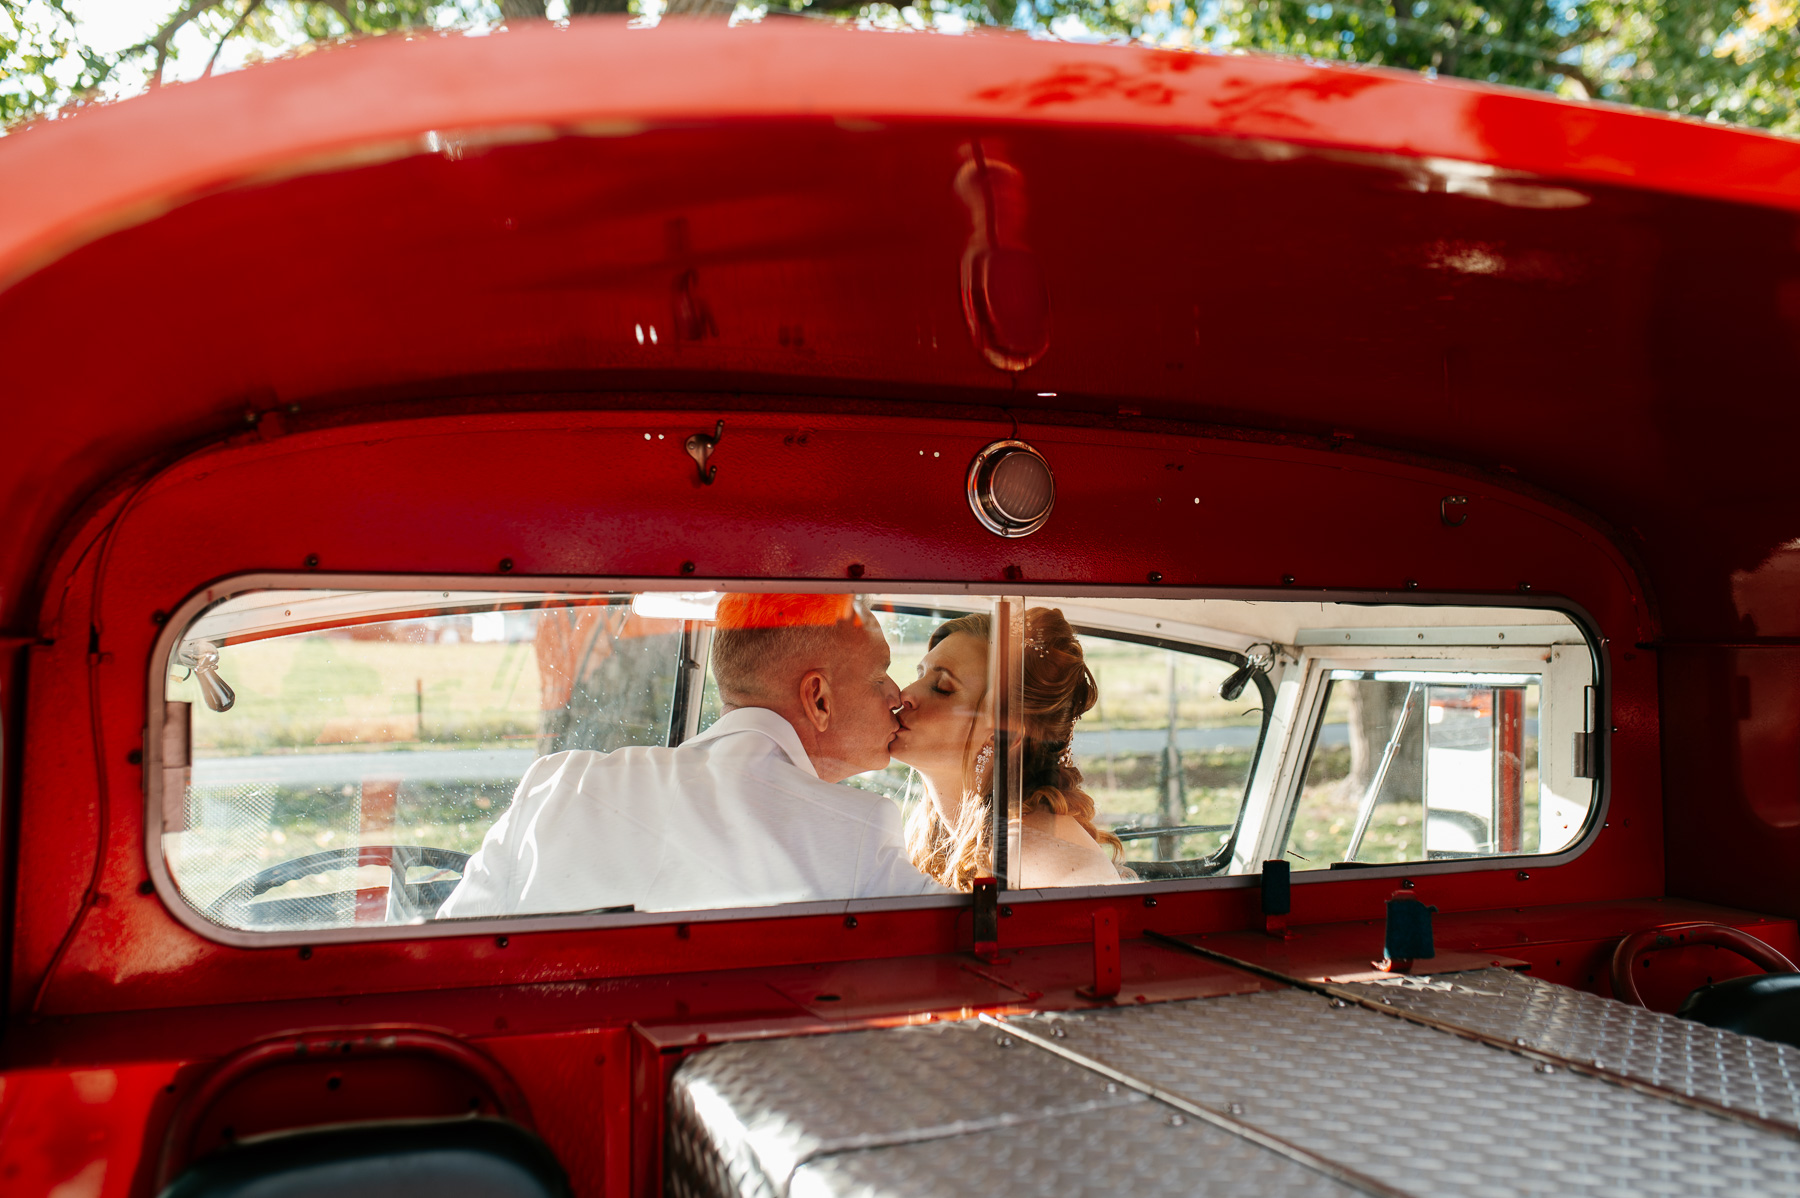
x=1052 y=860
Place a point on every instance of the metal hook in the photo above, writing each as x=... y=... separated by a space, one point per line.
x=1453 y=510
x=700 y=447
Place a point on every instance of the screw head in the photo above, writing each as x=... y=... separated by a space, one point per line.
x=306 y=952
x=1155 y=576
x=687 y=567
x=506 y=565
x=849 y=921
x=1287 y=580
x=501 y=942
x=312 y=561
x=159 y=618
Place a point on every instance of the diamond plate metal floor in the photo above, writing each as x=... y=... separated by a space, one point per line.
x=946 y=1109
x=927 y=1110
x=1740 y=1072
x=1136 y=1150
x=1425 y=1111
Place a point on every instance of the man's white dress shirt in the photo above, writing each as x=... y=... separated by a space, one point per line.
x=735 y=817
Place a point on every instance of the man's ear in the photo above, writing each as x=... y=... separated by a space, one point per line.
x=815 y=699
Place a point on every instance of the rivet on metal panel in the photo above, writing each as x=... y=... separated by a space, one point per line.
x=159 y=618
x=687 y=567
x=506 y=564
x=850 y=921
x=312 y=561
x=1236 y=1108
x=1287 y=580
x=1149 y=900
x=856 y=569
x=1155 y=576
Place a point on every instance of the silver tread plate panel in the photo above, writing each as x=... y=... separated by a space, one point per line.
x=743 y=1117
x=1743 y=1073
x=1141 y=1151
x=1423 y=1110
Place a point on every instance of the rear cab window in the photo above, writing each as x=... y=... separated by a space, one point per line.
x=330 y=760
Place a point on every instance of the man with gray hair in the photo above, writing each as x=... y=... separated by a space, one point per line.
x=747 y=813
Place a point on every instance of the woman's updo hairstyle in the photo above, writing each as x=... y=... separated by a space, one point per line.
x=1058 y=690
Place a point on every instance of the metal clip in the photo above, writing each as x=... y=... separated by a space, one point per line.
x=1453 y=510
x=700 y=447
x=986 y=894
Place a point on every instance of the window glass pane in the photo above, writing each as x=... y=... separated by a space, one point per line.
x=1162 y=749
x=348 y=732
x=334 y=759
x=1410 y=766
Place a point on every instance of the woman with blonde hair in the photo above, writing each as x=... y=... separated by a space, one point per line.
x=946 y=734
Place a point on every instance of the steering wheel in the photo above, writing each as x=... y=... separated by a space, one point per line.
x=1680 y=935
x=237 y=906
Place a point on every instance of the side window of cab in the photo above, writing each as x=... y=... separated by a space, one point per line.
x=1438 y=753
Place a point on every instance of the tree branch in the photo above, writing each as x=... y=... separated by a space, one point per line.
x=236 y=28
x=160 y=42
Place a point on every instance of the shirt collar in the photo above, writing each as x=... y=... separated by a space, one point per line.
x=771 y=725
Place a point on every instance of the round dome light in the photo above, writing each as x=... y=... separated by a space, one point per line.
x=1011 y=489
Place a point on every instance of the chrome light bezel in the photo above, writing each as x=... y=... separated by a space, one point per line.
x=981 y=490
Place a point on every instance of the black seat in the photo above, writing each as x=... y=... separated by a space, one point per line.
x=440 y=1158
x=1763 y=1005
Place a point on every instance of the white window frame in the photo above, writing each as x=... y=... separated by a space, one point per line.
x=1567 y=678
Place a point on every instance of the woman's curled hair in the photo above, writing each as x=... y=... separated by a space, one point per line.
x=1059 y=689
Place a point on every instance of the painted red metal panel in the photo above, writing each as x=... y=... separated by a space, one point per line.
x=1262 y=364
x=597 y=494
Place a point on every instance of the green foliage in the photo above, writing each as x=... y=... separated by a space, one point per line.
x=47 y=69
x=1726 y=60
x=43 y=62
